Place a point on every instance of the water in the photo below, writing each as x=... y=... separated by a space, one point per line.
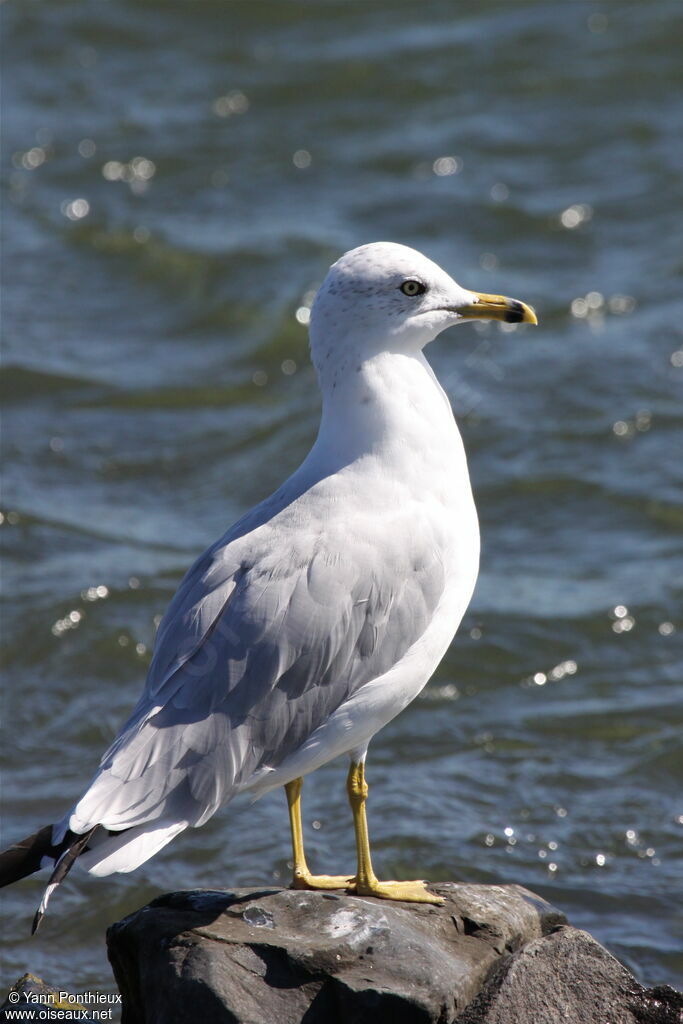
x=179 y=178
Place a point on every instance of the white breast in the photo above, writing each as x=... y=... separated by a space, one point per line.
x=397 y=469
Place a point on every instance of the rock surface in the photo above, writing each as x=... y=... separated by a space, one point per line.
x=491 y=954
x=568 y=976
x=30 y=998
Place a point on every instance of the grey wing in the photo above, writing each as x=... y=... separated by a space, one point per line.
x=252 y=656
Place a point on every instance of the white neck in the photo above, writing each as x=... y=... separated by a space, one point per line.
x=385 y=407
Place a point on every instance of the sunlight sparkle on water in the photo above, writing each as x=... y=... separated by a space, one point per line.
x=234 y=102
x=137 y=173
x=302 y=159
x=75 y=209
x=444 y=166
x=621 y=305
x=70 y=621
x=640 y=424
x=559 y=671
x=488 y=261
x=87 y=148
x=593 y=306
x=623 y=621
x=579 y=307
x=31 y=159
x=576 y=214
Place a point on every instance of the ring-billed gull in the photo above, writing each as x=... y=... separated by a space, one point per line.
x=322 y=612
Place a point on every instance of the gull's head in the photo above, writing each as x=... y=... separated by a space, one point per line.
x=388 y=297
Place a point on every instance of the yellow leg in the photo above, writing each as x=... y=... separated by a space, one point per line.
x=302 y=877
x=366 y=880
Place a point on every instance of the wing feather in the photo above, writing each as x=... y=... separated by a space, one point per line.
x=253 y=654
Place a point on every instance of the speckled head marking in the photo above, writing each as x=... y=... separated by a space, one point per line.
x=388 y=297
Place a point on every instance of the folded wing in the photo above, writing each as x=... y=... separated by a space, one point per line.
x=254 y=653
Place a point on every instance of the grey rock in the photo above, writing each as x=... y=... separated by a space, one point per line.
x=568 y=976
x=491 y=955
x=284 y=957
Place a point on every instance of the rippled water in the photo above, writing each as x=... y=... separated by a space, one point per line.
x=180 y=175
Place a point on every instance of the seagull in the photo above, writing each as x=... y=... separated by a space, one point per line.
x=322 y=613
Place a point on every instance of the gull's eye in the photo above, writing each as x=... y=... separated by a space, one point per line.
x=413 y=288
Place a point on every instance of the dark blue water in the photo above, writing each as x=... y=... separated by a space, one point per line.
x=178 y=177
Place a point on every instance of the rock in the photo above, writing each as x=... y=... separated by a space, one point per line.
x=282 y=956
x=31 y=998
x=568 y=976
x=491 y=955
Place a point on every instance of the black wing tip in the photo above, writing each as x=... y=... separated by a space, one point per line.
x=25 y=857
x=76 y=843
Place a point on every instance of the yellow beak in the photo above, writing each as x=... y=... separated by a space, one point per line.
x=498 y=307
